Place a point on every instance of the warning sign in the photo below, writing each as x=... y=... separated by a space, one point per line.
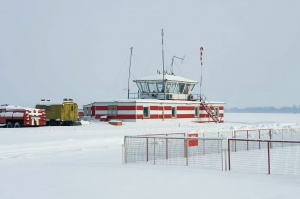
x=193 y=142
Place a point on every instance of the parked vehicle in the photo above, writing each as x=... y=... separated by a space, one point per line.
x=17 y=116
x=60 y=113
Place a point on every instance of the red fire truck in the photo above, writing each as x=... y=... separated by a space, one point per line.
x=17 y=116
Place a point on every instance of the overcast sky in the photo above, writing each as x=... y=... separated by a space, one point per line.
x=55 y=49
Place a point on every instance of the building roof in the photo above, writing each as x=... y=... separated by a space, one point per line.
x=155 y=101
x=49 y=102
x=159 y=77
x=13 y=107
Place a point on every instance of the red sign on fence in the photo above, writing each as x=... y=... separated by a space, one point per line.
x=193 y=142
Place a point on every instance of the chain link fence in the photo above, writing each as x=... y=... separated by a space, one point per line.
x=264 y=156
x=189 y=151
x=256 y=150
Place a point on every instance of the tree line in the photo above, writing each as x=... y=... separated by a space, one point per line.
x=267 y=109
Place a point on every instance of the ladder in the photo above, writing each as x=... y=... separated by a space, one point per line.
x=211 y=113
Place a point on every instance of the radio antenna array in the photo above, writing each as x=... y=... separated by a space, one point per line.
x=181 y=58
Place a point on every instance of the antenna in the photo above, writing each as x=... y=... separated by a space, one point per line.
x=171 y=69
x=163 y=60
x=129 y=70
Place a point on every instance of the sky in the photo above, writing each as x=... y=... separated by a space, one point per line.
x=55 y=49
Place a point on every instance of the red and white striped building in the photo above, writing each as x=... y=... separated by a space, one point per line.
x=152 y=103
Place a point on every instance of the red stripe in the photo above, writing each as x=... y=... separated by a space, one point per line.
x=168 y=108
x=93 y=110
x=121 y=108
x=126 y=108
x=166 y=116
x=204 y=115
x=101 y=108
x=160 y=116
x=120 y=117
x=185 y=116
x=207 y=115
x=139 y=108
x=160 y=108
x=155 y=108
x=185 y=108
x=202 y=108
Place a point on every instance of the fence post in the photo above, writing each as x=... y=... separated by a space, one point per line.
x=124 y=151
x=203 y=146
x=224 y=159
x=154 y=150
x=187 y=152
x=282 y=137
x=270 y=132
x=247 y=141
x=166 y=147
x=229 y=154
x=223 y=156
x=184 y=147
x=147 y=149
x=269 y=160
x=124 y=154
x=235 y=141
x=259 y=138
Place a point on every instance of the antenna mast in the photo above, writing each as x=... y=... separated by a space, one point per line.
x=129 y=71
x=163 y=60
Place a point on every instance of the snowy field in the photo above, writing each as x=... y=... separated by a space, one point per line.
x=86 y=162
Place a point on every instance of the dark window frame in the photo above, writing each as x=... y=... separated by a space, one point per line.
x=146 y=112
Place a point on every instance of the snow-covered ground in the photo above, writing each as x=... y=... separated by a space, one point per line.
x=86 y=162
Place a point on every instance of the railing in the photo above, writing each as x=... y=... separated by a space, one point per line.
x=204 y=102
x=136 y=95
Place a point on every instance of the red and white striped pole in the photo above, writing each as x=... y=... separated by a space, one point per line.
x=201 y=52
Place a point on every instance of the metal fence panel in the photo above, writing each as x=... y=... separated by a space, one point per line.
x=264 y=156
x=173 y=151
x=259 y=150
x=247 y=156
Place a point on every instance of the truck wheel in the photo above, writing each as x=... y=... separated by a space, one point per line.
x=52 y=123
x=17 y=125
x=9 y=125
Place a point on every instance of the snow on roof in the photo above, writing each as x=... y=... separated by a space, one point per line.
x=49 y=102
x=13 y=107
x=167 y=78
